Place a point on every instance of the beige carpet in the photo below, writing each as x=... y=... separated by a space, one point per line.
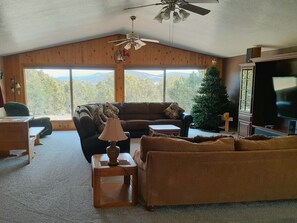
x=56 y=187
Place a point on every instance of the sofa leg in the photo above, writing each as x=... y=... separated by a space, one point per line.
x=150 y=208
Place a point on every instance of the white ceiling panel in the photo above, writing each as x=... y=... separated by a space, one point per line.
x=228 y=30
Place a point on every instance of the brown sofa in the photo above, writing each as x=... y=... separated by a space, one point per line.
x=135 y=118
x=178 y=172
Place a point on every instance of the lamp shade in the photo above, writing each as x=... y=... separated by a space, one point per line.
x=184 y=14
x=166 y=14
x=159 y=17
x=128 y=46
x=113 y=131
x=176 y=17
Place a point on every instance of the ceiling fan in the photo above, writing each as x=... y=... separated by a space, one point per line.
x=179 y=9
x=132 y=39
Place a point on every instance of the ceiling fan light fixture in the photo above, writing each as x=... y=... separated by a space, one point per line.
x=184 y=14
x=166 y=13
x=176 y=17
x=159 y=17
x=137 y=46
x=127 y=46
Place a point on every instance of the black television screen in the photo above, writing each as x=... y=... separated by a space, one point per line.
x=286 y=96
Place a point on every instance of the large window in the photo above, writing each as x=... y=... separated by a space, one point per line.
x=171 y=85
x=144 y=85
x=92 y=86
x=182 y=86
x=57 y=92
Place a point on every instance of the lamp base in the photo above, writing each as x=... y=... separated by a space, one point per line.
x=113 y=152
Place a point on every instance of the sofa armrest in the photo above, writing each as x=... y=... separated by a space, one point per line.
x=92 y=145
x=187 y=119
x=84 y=125
x=140 y=164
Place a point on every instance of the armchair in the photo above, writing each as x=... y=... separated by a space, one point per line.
x=19 y=109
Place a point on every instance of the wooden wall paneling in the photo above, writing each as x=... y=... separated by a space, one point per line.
x=109 y=49
x=87 y=53
x=119 y=83
x=11 y=68
x=74 y=54
x=59 y=55
x=99 y=52
x=63 y=125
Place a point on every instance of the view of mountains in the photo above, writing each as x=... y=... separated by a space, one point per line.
x=99 y=76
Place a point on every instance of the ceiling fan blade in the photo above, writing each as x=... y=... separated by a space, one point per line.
x=118 y=40
x=150 y=40
x=195 y=9
x=203 y=1
x=141 y=6
x=122 y=43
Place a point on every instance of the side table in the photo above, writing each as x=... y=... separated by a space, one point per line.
x=111 y=194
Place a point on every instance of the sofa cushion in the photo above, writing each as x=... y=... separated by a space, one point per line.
x=158 y=108
x=148 y=143
x=110 y=110
x=173 y=111
x=195 y=139
x=277 y=143
x=257 y=137
x=99 y=118
x=199 y=138
x=133 y=125
x=136 y=108
x=135 y=116
x=157 y=134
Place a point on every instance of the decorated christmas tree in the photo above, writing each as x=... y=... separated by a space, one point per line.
x=211 y=101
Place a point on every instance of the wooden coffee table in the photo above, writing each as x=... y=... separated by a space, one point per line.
x=164 y=129
x=114 y=194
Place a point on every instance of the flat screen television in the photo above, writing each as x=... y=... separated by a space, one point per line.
x=285 y=88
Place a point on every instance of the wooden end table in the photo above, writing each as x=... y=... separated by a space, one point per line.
x=164 y=129
x=14 y=135
x=110 y=194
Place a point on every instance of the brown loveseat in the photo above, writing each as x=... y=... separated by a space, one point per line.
x=177 y=172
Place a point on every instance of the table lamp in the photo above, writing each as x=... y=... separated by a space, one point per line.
x=113 y=132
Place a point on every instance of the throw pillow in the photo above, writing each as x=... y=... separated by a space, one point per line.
x=110 y=110
x=173 y=111
x=99 y=118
